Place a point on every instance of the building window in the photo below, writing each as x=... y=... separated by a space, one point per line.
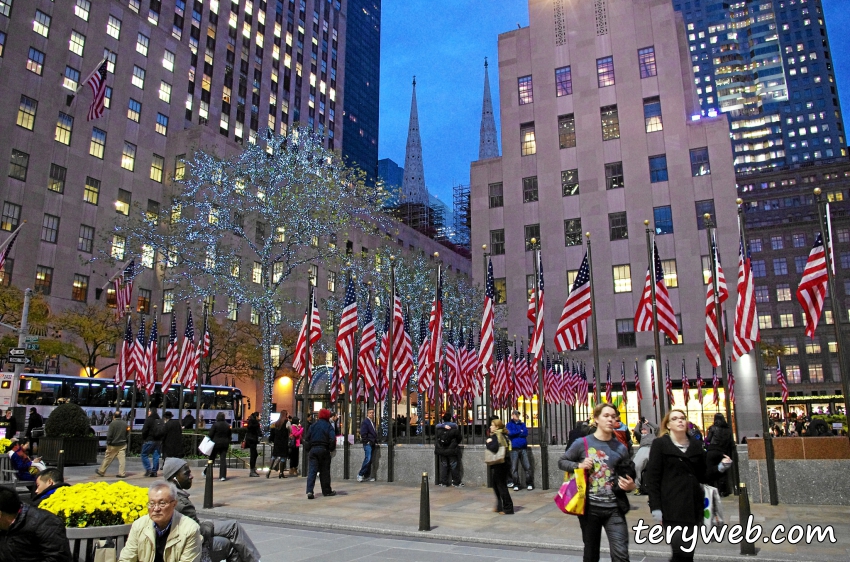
x=138 y=79
x=2 y=43
x=168 y=61
x=844 y=260
x=626 y=333
x=161 y=124
x=671 y=275
x=26 y=113
x=49 y=228
x=180 y=167
x=699 y=162
x=765 y=322
x=500 y=288
x=663 y=219
x=91 y=193
x=128 y=156
x=569 y=182
x=122 y=204
x=43 y=279
x=56 y=180
x=572 y=232
x=85 y=242
x=800 y=263
x=703 y=207
x=815 y=372
x=313 y=274
x=658 y=168
x=529 y=189
x=563 y=81
x=143 y=301
x=617 y=226
x=64 y=125
x=98 y=142
x=527 y=139
x=497 y=242
x=525 y=93
x=786 y=320
x=652 y=114
x=567 y=130
x=799 y=240
x=758 y=268
x=18 y=165
x=134 y=110
x=331 y=281
x=81 y=9
x=257 y=273
x=614 y=175
x=780 y=266
x=6 y=272
x=72 y=78
x=5 y=7
x=679 y=339
x=157 y=165
x=497 y=198
x=142 y=43
x=790 y=345
x=813 y=348
x=841 y=234
x=623 y=278
x=41 y=23
x=167 y=301
x=113 y=27
x=755 y=244
x=646 y=60
x=80 y=288
x=111 y=57
x=610 y=122
x=35 y=61
x=762 y=294
x=77 y=43
x=605 y=71
x=531 y=231
x=165 y=92
x=776 y=242
x=11 y=216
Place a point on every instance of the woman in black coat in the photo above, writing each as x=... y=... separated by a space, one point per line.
x=252 y=439
x=172 y=441
x=279 y=438
x=675 y=470
x=220 y=435
x=719 y=442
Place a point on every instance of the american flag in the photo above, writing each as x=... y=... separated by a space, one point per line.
x=581 y=396
x=97 y=83
x=746 y=318
x=535 y=346
x=497 y=378
x=624 y=386
x=664 y=307
x=426 y=380
x=686 y=385
x=812 y=289
x=699 y=383
x=780 y=378
x=366 y=356
x=652 y=381
x=731 y=378
x=572 y=328
x=382 y=383
x=139 y=367
x=125 y=360
x=712 y=338
x=529 y=370
x=637 y=384
x=171 y=356
x=608 y=386
x=452 y=361
x=206 y=340
x=124 y=288
x=151 y=353
x=485 y=351
x=304 y=345
x=668 y=384
x=435 y=327
x=398 y=349
x=345 y=334
x=715 y=385
x=473 y=375
x=4 y=255
x=405 y=368
x=592 y=390
x=187 y=364
x=550 y=384
x=572 y=383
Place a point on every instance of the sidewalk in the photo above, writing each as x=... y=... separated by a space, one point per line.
x=466 y=514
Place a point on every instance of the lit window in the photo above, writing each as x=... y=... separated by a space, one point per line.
x=232 y=309
x=41 y=23
x=56 y=180
x=2 y=43
x=646 y=60
x=161 y=124
x=122 y=204
x=331 y=281
x=11 y=216
x=567 y=131
x=168 y=61
x=72 y=78
x=572 y=232
x=128 y=156
x=157 y=165
x=98 y=142
x=569 y=182
x=134 y=110
x=652 y=114
x=35 y=61
x=699 y=162
x=671 y=276
x=527 y=139
x=81 y=9
x=138 y=79
x=64 y=125
x=110 y=57
x=563 y=81
x=257 y=272
x=165 y=92
x=622 y=278
x=786 y=320
x=77 y=43
x=167 y=301
x=142 y=43
x=113 y=27
x=765 y=322
x=610 y=122
x=605 y=71
x=91 y=192
x=43 y=279
x=525 y=90
x=26 y=113
x=118 y=244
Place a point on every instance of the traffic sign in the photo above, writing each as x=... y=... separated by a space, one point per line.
x=32 y=346
x=30 y=339
x=17 y=352
x=20 y=360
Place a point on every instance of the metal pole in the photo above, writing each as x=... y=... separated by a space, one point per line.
x=769 y=454
x=837 y=312
x=662 y=405
x=198 y=394
x=22 y=339
x=541 y=399
x=488 y=406
x=390 y=376
x=593 y=318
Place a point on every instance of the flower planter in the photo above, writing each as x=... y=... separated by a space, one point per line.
x=78 y=450
x=83 y=540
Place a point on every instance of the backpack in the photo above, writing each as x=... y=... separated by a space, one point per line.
x=158 y=430
x=444 y=441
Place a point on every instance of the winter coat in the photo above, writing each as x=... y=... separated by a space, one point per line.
x=34 y=422
x=295 y=432
x=35 y=536
x=172 y=442
x=673 y=479
x=183 y=543
x=252 y=434
x=321 y=434
x=448 y=440
x=148 y=429
x=517 y=432
x=279 y=438
x=368 y=434
x=220 y=434
x=116 y=433
x=719 y=438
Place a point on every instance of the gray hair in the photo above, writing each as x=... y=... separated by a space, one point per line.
x=163 y=485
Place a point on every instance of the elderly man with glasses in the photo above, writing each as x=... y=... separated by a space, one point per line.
x=163 y=535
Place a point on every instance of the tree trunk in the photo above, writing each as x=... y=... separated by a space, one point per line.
x=268 y=368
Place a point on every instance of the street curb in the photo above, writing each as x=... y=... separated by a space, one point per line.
x=324 y=524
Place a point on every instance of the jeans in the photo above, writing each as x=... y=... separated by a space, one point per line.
x=221 y=452
x=150 y=448
x=320 y=462
x=232 y=543
x=499 y=476
x=447 y=463
x=518 y=455
x=596 y=518
x=366 y=468
x=678 y=542
x=113 y=451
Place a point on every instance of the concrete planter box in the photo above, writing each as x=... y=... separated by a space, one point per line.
x=78 y=450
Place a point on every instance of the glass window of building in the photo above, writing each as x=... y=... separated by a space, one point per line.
x=567 y=130
x=64 y=126
x=703 y=207
x=19 y=165
x=77 y=43
x=605 y=71
x=572 y=232
x=671 y=274
x=529 y=189
x=646 y=60
x=85 y=241
x=663 y=219
x=128 y=156
x=80 y=288
x=35 y=61
x=617 y=226
x=652 y=114
x=123 y=202
x=626 y=333
x=762 y=294
x=569 y=182
x=765 y=321
x=500 y=287
x=113 y=27
x=43 y=279
x=563 y=81
x=780 y=266
x=56 y=178
x=41 y=23
x=527 y=139
x=98 y=142
x=497 y=242
x=525 y=90
x=610 y=122
x=11 y=216
x=699 y=162
x=531 y=231
x=776 y=242
x=623 y=278
x=49 y=228
x=134 y=110
x=658 y=168
x=755 y=244
x=26 y=113
x=497 y=198
x=758 y=268
x=614 y=175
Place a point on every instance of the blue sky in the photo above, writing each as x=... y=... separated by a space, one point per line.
x=444 y=42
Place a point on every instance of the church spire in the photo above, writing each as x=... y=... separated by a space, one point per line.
x=413 y=186
x=488 y=146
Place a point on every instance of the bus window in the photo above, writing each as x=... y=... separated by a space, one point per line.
x=188 y=399
x=79 y=393
x=172 y=399
x=101 y=394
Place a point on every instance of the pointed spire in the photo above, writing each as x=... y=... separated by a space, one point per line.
x=488 y=146
x=413 y=186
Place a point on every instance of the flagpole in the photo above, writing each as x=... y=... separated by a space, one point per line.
x=593 y=318
x=538 y=361
x=390 y=377
x=649 y=253
x=837 y=311
x=11 y=237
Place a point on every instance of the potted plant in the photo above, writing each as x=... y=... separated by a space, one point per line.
x=67 y=429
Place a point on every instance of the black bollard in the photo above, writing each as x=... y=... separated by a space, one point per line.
x=424 y=505
x=60 y=463
x=208 y=487
x=747 y=548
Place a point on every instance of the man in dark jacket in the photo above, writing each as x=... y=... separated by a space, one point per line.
x=35 y=422
x=517 y=433
x=116 y=445
x=172 y=440
x=30 y=534
x=48 y=481
x=10 y=424
x=188 y=421
x=152 y=432
x=447 y=436
x=321 y=441
x=369 y=437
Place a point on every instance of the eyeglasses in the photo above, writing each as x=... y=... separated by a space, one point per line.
x=159 y=505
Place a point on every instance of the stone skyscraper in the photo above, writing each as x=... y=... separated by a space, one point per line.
x=488 y=146
x=413 y=188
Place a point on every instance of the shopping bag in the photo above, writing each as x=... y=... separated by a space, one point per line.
x=572 y=495
x=105 y=551
x=206 y=446
x=712 y=509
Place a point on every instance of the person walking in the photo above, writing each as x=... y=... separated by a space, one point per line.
x=220 y=436
x=677 y=466
x=35 y=421
x=116 y=445
x=447 y=449
x=369 y=437
x=152 y=433
x=279 y=438
x=719 y=443
x=642 y=456
x=295 y=434
x=320 y=443
x=172 y=440
x=517 y=433
x=499 y=471
x=605 y=459
x=252 y=439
